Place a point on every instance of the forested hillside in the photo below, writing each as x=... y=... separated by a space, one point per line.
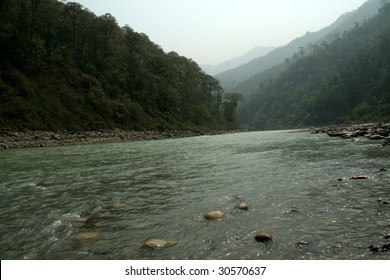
x=63 y=67
x=244 y=79
x=347 y=80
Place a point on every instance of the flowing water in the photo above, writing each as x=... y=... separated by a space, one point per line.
x=103 y=201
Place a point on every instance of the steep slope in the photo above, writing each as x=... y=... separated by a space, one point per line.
x=237 y=61
x=63 y=67
x=231 y=80
x=347 y=80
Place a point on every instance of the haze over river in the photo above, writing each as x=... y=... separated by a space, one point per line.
x=102 y=201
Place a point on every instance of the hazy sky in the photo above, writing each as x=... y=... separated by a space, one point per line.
x=211 y=31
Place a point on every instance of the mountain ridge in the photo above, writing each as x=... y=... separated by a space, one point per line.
x=230 y=79
x=341 y=82
x=256 y=52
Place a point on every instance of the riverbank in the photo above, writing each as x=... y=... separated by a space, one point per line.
x=372 y=131
x=31 y=139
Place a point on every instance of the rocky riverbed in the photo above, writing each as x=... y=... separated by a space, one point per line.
x=372 y=131
x=30 y=139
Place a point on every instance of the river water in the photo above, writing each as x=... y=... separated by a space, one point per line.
x=102 y=201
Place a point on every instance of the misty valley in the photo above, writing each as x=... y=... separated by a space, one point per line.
x=112 y=148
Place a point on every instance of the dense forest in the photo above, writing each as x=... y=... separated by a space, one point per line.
x=63 y=67
x=344 y=81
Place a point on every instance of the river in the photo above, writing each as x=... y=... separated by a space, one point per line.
x=102 y=201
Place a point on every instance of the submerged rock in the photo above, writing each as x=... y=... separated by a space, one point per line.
x=85 y=236
x=292 y=210
x=214 y=215
x=158 y=244
x=360 y=177
x=372 y=248
x=264 y=237
x=375 y=249
x=383 y=201
x=302 y=243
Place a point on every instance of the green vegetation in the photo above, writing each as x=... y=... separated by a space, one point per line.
x=247 y=78
x=63 y=67
x=347 y=80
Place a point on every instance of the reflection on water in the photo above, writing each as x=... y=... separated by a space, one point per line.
x=103 y=201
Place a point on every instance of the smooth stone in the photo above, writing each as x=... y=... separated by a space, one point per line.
x=214 y=215
x=243 y=206
x=238 y=197
x=154 y=243
x=264 y=237
x=158 y=244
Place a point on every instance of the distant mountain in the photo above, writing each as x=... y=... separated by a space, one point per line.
x=231 y=79
x=344 y=81
x=237 y=61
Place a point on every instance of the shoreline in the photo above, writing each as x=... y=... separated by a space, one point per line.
x=371 y=131
x=34 y=139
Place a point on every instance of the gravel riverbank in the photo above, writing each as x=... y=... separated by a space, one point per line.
x=30 y=139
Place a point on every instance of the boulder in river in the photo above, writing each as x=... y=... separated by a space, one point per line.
x=263 y=237
x=243 y=206
x=214 y=215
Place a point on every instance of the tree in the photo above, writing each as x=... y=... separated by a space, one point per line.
x=230 y=103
